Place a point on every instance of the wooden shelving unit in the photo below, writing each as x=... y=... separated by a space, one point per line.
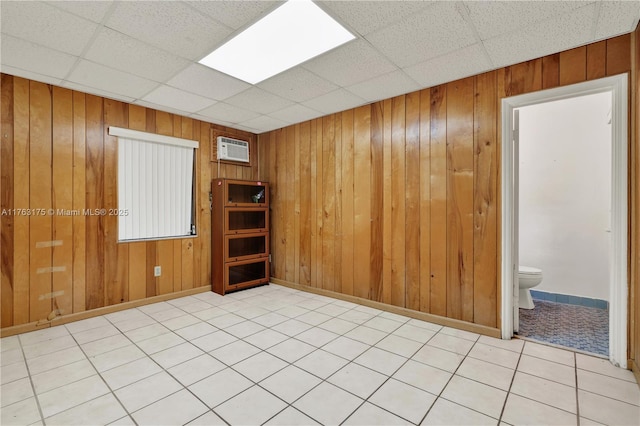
x=240 y=234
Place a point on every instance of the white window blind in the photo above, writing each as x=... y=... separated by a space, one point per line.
x=155 y=185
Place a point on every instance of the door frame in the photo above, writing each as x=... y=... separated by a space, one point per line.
x=618 y=286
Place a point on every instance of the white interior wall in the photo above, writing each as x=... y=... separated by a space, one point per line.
x=565 y=194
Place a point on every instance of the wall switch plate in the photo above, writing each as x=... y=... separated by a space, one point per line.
x=157 y=271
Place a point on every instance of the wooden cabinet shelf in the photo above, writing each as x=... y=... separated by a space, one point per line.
x=240 y=234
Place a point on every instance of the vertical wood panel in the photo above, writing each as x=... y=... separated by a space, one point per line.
x=412 y=201
x=337 y=244
x=347 y=203
x=387 y=236
x=305 y=203
x=319 y=202
x=377 y=201
x=278 y=218
x=62 y=199
x=502 y=84
x=596 y=60
x=425 y=200
x=460 y=164
x=485 y=218
x=296 y=203
x=328 y=202
x=439 y=248
x=95 y=268
x=203 y=241
x=526 y=77
x=21 y=183
x=618 y=57
x=41 y=231
x=313 y=155
x=362 y=200
x=79 y=202
x=573 y=66
x=398 y=182
x=551 y=71
x=6 y=201
x=116 y=256
x=290 y=248
x=273 y=198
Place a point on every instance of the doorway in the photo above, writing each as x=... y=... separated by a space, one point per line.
x=617 y=251
x=564 y=206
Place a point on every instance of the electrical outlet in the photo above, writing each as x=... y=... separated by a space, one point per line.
x=157 y=271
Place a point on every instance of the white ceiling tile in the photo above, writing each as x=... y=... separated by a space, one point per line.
x=297 y=84
x=383 y=87
x=357 y=60
x=211 y=120
x=92 y=10
x=122 y=52
x=172 y=26
x=31 y=57
x=107 y=79
x=45 y=25
x=553 y=35
x=459 y=64
x=434 y=32
x=617 y=17
x=492 y=18
x=247 y=129
x=368 y=16
x=228 y=113
x=296 y=114
x=207 y=82
x=97 y=92
x=258 y=100
x=178 y=99
x=263 y=123
x=338 y=100
x=236 y=14
x=7 y=69
x=159 y=107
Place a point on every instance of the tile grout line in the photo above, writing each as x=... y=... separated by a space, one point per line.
x=451 y=378
x=513 y=378
x=575 y=371
x=33 y=388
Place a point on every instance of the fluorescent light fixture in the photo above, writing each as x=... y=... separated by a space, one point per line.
x=293 y=33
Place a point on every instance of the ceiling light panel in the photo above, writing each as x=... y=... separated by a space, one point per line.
x=293 y=33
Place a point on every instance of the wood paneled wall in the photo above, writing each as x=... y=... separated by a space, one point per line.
x=57 y=154
x=398 y=201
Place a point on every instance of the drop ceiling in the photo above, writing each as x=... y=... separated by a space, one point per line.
x=146 y=53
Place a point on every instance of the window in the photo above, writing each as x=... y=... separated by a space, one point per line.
x=155 y=185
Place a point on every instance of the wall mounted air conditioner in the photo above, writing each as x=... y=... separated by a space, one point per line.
x=233 y=149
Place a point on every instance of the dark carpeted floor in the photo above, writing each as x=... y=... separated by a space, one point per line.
x=572 y=326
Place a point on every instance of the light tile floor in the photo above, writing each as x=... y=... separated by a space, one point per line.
x=277 y=356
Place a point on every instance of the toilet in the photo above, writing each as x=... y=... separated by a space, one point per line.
x=528 y=277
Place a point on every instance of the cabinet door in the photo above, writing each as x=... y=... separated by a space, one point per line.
x=246 y=273
x=239 y=193
x=245 y=246
x=239 y=220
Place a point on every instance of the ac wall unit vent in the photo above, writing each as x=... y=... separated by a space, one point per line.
x=233 y=149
